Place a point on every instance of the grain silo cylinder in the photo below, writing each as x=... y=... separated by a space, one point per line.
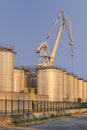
x=6 y=69
x=49 y=82
x=70 y=87
x=60 y=84
x=85 y=91
x=80 y=89
x=64 y=85
x=75 y=87
x=18 y=80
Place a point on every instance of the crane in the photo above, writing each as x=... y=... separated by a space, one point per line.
x=48 y=59
x=44 y=57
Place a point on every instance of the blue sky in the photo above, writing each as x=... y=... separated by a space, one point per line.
x=26 y=23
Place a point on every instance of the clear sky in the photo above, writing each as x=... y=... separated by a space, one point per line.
x=26 y=23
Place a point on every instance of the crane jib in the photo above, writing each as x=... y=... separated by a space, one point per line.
x=48 y=59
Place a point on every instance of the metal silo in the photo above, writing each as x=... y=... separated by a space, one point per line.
x=49 y=82
x=64 y=85
x=18 y=80
x=70 y=88
x=60 y=84
x=67 y=87
x=75 y=90
x=26 y=78
x=42 y=81
x=6 y=69
x=80 y=89
x=85 y=91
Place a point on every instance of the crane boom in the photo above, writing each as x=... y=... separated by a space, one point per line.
x=53 y=27
x=54 y=50
x=49 y=34
x=41 y=46
x=49 y=59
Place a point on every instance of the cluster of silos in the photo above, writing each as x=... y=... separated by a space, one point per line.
x=57 y=83
x=23 y=80
x=60 y=85
x=6 y=69
x=14 y=79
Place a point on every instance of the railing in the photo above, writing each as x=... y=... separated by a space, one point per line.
x=18 y=107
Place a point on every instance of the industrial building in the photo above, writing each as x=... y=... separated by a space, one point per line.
x=53 y=82
x=61 y=85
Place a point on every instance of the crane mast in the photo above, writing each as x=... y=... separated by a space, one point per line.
x=49 y=59
x=54 y=50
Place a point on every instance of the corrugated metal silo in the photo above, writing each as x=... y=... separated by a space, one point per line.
x=85 y=90
x=80 y=89
x=49 y=82
x=75 y=87
x=18 y=80
x=70 y=87
x=60 y=84
x=64 y=85
x=26 y=78
x=6 y=69
x=67 y=88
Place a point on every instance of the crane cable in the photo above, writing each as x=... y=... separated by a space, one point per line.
x=53 y=27
x=72 y=47
x=72 y=56
x=70 y=36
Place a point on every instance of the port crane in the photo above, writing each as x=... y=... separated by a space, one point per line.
x=47 y=59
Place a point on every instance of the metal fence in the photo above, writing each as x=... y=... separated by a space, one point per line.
x=18 y=107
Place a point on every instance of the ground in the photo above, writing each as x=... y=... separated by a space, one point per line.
x=78 y=122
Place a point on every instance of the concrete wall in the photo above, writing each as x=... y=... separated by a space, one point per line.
x=23 y=96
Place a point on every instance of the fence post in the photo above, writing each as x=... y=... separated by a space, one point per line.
x=57 y=105
x=63 y=105
x=28 y=106
x=47 y=106
x=37 y=106
x=23 y=107
x=18 y=107
x=12 y=107
x=44 y=106
x=5 y=106
x=53 y=105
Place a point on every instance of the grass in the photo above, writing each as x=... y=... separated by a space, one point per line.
x=22 y=121
x=35 y=120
